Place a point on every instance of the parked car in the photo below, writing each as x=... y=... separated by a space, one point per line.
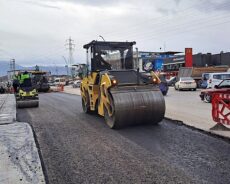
x=76 y=84
x=207 y=94
x=186 y=83
x=163 y=85
x=51 y=83
x=70 y=82
x=171 y=81
x=60 y=81
x=2 y=88
x=216 y=78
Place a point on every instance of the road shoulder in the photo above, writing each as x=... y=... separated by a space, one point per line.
x=187 y=108
x=71 y=90
x=19 y=160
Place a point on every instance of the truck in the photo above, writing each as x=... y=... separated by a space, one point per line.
x=196 y=72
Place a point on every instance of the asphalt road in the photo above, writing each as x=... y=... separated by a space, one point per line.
x=80 y=148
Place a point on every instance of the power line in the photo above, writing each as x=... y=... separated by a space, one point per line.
x=185 y=26
x=168 y=29
x=157 y=25
x=195 y=28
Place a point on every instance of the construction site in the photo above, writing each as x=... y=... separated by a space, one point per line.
x=119 y=110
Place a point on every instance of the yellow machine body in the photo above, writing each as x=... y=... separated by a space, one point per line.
x=27 y=98
x=24 y=94
x=91 y=91
x=123 y=96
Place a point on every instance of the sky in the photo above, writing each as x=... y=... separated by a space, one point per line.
x=35 y=31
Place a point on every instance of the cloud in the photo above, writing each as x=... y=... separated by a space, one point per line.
x=163 y=11
x=167 y=12
x=213 y=6
x=88 y=2
x=177 y=2
x=41 y=4
x=35 y=32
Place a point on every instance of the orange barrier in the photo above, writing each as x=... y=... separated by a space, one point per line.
x=221 y=108
x=61 y=87
x=10 y=90
x=58 y=88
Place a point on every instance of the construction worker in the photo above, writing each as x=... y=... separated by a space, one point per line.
x=23 y=77
x=8 y=85
x=16 y=80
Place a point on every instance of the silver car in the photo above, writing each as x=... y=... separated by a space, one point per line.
x=186 y=83
x=76 y=84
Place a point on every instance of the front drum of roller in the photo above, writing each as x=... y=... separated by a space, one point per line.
x=136 y=107
x=27 y=104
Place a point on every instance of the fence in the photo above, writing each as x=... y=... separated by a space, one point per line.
x=221 y=108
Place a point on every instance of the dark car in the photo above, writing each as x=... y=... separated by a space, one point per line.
x=172 y=81
x=207 y=94
x=204 y=84
x=2 y=88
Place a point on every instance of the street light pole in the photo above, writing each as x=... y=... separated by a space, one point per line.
x=102 y=38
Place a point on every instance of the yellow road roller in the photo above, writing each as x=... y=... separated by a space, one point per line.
x=27 y=95
x=113 y=89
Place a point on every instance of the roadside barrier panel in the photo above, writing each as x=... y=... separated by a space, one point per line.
x=61 y=87
x=221 y=108
x=58 y=88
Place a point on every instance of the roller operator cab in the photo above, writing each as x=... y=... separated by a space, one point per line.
x=113 y=89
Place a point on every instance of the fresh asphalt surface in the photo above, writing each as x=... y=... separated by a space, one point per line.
x=80 y=148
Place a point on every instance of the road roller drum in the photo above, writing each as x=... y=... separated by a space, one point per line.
x=27 y=103
x=143 y=105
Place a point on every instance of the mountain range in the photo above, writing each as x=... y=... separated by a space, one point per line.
x=55 y=70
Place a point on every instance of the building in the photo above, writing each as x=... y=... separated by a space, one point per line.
x=211 y=59
x=157 y=61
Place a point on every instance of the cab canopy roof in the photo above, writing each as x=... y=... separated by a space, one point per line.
x=109 y=43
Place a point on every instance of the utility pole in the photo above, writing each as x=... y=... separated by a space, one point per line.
x=56 y=69
x=137 y=60
x=164 y=46
x=70 y=46
x=67 y=68
x=12 y=68
x=13 y=64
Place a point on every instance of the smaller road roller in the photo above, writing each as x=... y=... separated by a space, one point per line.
x=115 y=90
x=26 y=94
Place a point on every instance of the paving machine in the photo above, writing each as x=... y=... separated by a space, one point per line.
x=27 y=95
x=113 y=89
x=39 y=78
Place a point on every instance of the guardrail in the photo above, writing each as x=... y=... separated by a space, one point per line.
x=221 y=108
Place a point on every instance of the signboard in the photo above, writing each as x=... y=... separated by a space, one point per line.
x=188 y=57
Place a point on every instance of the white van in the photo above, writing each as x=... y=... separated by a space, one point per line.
x=59 y=81
x=216 y=78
